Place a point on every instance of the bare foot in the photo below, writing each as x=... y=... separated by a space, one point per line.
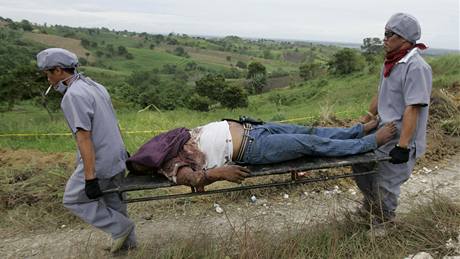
x=372 y=124
x=385 y=133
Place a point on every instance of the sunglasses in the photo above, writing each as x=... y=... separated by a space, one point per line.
x=389 y=34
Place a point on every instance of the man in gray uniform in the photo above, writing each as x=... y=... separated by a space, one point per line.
x=101 y=153
x=403 y=96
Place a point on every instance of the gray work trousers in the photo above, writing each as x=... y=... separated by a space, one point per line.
x=108 y=213
x=382 y=190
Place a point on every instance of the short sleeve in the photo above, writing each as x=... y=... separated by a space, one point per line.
x=78 y=111
x=417 y=87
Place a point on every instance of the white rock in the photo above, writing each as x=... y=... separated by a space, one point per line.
x=286 y=196
x=219 y=209
x=421 y=255
x=427 y=170
x=253 y=199
x=216 y=205
x=454 y=244
x=63 y=226
x=424 y=181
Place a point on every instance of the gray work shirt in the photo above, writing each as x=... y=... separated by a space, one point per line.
x=87 y=105
x=409 y=83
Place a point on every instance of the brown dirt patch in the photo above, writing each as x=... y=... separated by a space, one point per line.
x=29 y=176
x=279 y=82
x=295 y=57
x=60 y=42
x=41 y=161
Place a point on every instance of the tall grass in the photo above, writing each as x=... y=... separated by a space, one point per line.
x=427 y=227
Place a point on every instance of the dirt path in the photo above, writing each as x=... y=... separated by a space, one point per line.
x=270 y=213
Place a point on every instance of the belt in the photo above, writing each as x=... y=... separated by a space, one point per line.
x=244 y=141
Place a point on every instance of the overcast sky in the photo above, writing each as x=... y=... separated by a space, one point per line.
x=320 y=20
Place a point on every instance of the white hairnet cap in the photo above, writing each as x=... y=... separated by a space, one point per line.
x=56 y=57
x=405 y=25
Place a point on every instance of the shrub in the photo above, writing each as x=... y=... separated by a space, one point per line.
x=241 y=64
x=199 y=103
x=346 y=61
x=234 y=96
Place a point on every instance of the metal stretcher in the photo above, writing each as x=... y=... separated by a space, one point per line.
x=148 y=182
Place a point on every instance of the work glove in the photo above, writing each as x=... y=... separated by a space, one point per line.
x=399 y=155
x=92 y=189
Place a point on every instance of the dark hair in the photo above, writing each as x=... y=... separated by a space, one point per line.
x=70 y=70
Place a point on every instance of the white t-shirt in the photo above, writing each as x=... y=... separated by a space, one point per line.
x=215 y=141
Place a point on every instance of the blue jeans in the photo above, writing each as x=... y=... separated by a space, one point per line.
x=274 y=143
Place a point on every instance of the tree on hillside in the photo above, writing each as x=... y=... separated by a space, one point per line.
x=256 y=68
x=146 y=87
x=256 y=84
x=310 y=71
x=257 y=75
x=158 y=38
x=180 y=51
x=99 y=53
x=122 y=51
x=346 y=61
x=169 y=68
x=233 y=72
x=199 y=103
x=372 y=46
x=190 y=66
x=20 y=83
x=85 y=43
x=26 y=25
x=372 y=49
x=110 y=49
x=234 y=96
x=171 y=41
x=241 y=64
x=211 y=86
x=267 y=54
x=20 y=79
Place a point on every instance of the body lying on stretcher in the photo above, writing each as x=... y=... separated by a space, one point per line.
x=220 y=150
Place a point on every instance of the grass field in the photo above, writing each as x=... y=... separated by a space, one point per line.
x=204 y=52
x=344 y=97
x=303 y=105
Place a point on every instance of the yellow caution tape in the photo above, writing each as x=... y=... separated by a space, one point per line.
x=131 y=132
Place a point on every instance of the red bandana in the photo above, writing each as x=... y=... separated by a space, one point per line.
x=392 y=58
